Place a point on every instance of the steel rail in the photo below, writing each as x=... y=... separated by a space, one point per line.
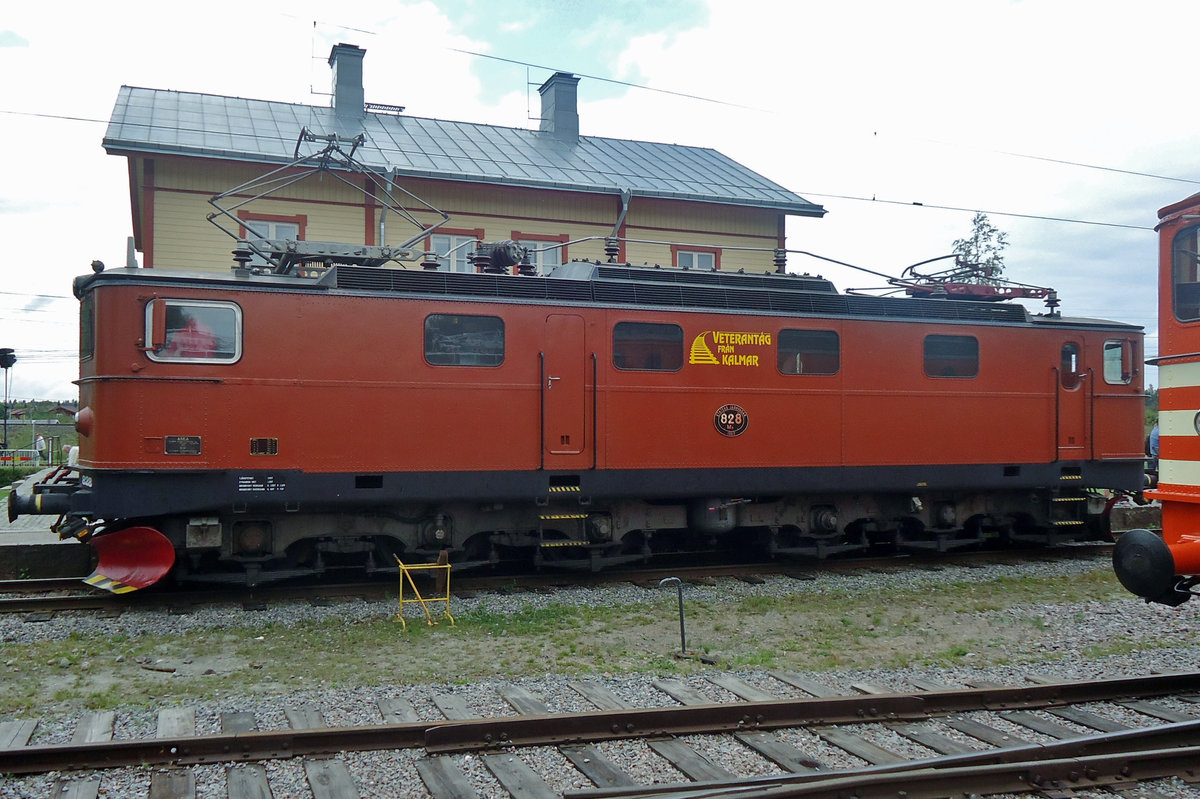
x=103 y=600
x=1046 y=775
x=474 y=735
x=483 y=734
x=209 y=749
x=1110 y=754
x=39 y=584
x=379 y=582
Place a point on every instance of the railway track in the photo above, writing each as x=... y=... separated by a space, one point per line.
x=44 y=597
x=933 y=740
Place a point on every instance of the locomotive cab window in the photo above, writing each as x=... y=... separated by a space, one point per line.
x=1185 y=260
x=457 y=340
x=647 y=347
x=1118 y=361
x=809 y=352
x=193 y=331
x=951 y=356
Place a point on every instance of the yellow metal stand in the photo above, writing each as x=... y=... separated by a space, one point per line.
x=406 y=576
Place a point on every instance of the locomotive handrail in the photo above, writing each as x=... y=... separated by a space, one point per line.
x=1091 y=412
x=595 y=409
x=541 y=411
x=1182 y=356
x=159 y=378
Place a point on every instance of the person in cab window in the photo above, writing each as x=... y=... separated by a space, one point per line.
x=190 y=339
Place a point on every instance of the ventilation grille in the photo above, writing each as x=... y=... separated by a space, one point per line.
x=777 y=294
x=264 y=446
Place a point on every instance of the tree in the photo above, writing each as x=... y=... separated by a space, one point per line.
x=982 y=252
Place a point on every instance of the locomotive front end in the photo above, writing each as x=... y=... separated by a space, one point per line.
x=1165 y=569
x=129 y=555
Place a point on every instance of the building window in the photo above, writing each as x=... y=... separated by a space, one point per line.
x=454 y=250
x=194 y=331
x=257 y=227
x=546 y=252
x=1118 y=361
x=647 y=347
x=689 y=257
x=809 y=352
x=455 y=340
x=951 y=356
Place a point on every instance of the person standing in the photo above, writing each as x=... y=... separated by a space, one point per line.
x=39 y=445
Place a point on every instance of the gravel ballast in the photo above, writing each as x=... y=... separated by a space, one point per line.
x=1065 y=634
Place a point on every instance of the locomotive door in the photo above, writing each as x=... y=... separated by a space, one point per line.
x=1073 y=404
x=565 y=368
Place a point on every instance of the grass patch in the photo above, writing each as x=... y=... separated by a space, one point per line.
x=814 y=630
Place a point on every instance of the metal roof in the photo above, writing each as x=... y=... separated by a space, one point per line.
x=160 y=121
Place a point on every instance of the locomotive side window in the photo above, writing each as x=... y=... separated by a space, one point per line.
x=193 y=331
x=647 y=347
x=1118 y=361
x=1185 y=257
x=809 y=352
x=456 y=340
x=1070 y=365
x=87 y=327
x=951 y=356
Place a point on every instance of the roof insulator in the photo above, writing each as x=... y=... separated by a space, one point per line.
x=526 y=267
x=612 y=248
x=242 y=255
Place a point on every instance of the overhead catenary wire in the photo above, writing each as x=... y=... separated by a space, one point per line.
x=1012 y=214
x=702 y=98
x=707 y=99
x=515 y=163
x=614 y=81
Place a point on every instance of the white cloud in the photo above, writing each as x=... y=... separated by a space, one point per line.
x=907 y=102
x=12 y=39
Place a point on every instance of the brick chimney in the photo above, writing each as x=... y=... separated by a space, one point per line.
x=346 y=60
x=560 y=107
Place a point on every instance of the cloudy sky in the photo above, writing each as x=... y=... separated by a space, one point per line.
x=1069 y=123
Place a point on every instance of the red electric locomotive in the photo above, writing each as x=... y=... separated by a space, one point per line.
x=1165 y=569
x=262 y=425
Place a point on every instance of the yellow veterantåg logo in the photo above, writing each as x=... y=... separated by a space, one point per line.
x=730 y=348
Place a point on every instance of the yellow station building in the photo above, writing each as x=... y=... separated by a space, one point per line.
x=553 y=190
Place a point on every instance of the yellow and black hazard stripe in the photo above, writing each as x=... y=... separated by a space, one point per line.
x=100 y=581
